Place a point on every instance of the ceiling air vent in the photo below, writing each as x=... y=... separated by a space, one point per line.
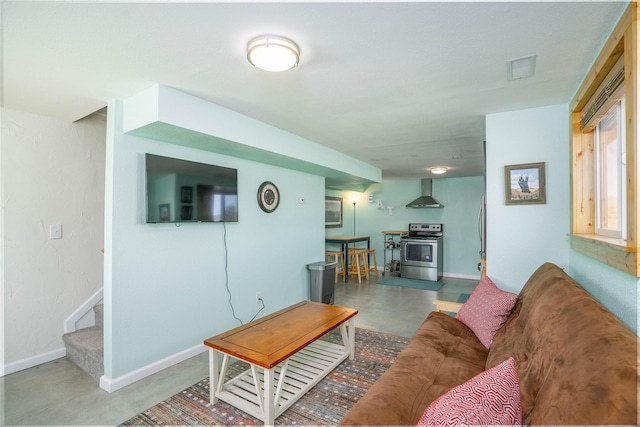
x=520 y=68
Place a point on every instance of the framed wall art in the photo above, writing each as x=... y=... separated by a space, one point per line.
x=165 y=212
x=525 y=184
x=186 y=194
x=332 y=212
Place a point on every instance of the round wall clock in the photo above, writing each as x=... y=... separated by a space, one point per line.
x=268 y=196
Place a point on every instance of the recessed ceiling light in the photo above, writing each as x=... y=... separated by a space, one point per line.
x=438 y=170
x=273 y=53
x=520 y=68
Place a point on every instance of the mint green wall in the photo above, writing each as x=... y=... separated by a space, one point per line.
x=616 y=290
x=461 y=198
x=165 y=288
x=521 y=238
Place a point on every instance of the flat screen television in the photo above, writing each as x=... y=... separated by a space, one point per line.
x=181 y=191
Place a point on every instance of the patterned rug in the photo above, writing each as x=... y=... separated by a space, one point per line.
x=411 y=283
x=324 y=405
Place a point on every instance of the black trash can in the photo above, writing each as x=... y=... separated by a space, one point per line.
x=322 y=286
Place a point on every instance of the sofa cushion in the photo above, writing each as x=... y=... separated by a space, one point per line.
x=490 y=398
x=442 y=354
x=486 y=310
x=576 y=360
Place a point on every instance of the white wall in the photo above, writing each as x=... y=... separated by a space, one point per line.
x=52 y=173
x=166 y=286
x=520 y=238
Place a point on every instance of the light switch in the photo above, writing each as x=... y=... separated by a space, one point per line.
x=55 y=231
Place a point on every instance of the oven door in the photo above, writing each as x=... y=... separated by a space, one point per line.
x=419 y=253
x=419 y=260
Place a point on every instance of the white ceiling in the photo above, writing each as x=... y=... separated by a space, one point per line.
x=401 y=86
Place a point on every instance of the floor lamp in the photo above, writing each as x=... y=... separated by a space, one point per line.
x=354 y=200
x=354 y=218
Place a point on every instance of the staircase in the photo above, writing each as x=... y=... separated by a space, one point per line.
x=85 y=347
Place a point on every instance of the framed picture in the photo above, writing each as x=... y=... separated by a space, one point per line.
x=186 y=193
x=525 y=184
x=165 y=214
x=332 y=212
x=187 y=213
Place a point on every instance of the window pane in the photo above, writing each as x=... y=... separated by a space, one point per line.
x=609 y=166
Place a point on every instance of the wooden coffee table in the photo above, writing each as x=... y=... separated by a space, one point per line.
x=285 y=356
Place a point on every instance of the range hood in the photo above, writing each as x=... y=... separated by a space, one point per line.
x=425 y=201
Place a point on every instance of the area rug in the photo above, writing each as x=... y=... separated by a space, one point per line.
x=325 y=404
x=411 y=283
x=463 y=298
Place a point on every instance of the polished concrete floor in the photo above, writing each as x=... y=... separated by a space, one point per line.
x=59 y=393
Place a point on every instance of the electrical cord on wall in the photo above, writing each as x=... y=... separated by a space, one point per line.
x=226 y=272
x=226 y=283
x=254 y=317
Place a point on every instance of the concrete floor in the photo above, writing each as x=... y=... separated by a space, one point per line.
x=59 y=393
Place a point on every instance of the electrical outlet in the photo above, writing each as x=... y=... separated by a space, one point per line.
x=258 y=297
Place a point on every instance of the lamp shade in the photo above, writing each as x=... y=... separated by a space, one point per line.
x=273 y=53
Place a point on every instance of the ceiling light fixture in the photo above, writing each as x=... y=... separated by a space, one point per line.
x=273 y=53
x=438 y=170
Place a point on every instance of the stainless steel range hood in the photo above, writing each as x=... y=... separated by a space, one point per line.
x=425 y=201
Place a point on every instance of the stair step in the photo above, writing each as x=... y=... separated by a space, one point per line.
x=99 y=314
x=85 y=348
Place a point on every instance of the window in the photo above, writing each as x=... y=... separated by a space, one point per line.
x=605 y=175
x=610 y=173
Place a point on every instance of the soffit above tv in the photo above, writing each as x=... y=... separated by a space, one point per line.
x=229 y=133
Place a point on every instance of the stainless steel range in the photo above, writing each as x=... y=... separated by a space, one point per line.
x=421 y=252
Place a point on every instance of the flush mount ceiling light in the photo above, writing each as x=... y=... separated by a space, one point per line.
x=520 y=68
x=438 y=170
x=273 y=53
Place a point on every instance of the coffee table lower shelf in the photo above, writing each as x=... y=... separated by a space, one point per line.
x=288 y=381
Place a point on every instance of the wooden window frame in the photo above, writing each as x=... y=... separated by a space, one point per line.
x=617 y=253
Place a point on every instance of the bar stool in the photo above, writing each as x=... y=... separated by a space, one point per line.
x=358 y=265
x=338 y=258
x=372 y=253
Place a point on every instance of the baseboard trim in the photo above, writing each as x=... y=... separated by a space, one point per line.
x=30 y=362
x=461 y=276
x=110 y=385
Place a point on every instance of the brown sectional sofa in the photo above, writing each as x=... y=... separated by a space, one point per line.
x=577 y=362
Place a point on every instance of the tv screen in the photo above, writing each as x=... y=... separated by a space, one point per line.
x=184 y=191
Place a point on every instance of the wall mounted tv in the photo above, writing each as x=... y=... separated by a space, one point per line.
x=181 y=191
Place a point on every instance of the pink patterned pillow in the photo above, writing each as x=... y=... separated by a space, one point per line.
x=486 y=310
x=490 y=398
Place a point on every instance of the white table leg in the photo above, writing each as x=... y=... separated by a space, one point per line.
x=352 y=339
x=213 y=375
x=269 y=398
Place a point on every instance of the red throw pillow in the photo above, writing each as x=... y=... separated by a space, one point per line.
x=490 y=398
x=486 y=310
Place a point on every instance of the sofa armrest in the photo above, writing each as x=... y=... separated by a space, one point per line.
x=451 y=307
